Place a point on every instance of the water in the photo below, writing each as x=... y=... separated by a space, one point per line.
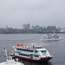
x=56 y=48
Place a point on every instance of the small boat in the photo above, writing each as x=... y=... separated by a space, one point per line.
x=30 y=53
x=52 y=37
x=10 y=61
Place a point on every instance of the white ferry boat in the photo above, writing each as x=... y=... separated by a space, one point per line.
x=31 y=53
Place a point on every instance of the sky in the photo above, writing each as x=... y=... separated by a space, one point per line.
x=14 y=13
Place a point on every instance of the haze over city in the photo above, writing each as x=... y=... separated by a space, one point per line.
x=14 y=13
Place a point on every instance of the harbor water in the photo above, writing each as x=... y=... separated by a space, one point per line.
x=56 y=48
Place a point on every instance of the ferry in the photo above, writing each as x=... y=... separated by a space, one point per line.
x=30 y=53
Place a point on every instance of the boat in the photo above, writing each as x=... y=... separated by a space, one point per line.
x=30 y=53
x=10 y=61
x=52 y=37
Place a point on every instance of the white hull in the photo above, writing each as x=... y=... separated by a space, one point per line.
x=53 y=39
x=11 y=62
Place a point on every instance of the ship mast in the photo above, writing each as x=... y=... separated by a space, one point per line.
x=6 y=53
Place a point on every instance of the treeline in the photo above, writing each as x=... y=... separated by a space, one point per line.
x=30 y=29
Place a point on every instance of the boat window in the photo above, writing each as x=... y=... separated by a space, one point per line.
x=43 y=51
x=36 y=51
x=24 y=54
x=36 y=55
x=24 y=50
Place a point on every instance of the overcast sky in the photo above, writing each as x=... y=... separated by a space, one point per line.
x=36 y=12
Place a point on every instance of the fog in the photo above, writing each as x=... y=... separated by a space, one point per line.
x=14 y=13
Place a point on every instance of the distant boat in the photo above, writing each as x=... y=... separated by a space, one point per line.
x=10 y=61
x=31 y=53
x=52 y=37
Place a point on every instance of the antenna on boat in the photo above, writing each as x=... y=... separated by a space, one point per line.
x=33 y=44
x=6 y=53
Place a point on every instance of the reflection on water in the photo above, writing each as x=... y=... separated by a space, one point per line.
x=35 y=63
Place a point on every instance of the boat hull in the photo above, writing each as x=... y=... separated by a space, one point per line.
x=46 y=59
x=52 y=39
